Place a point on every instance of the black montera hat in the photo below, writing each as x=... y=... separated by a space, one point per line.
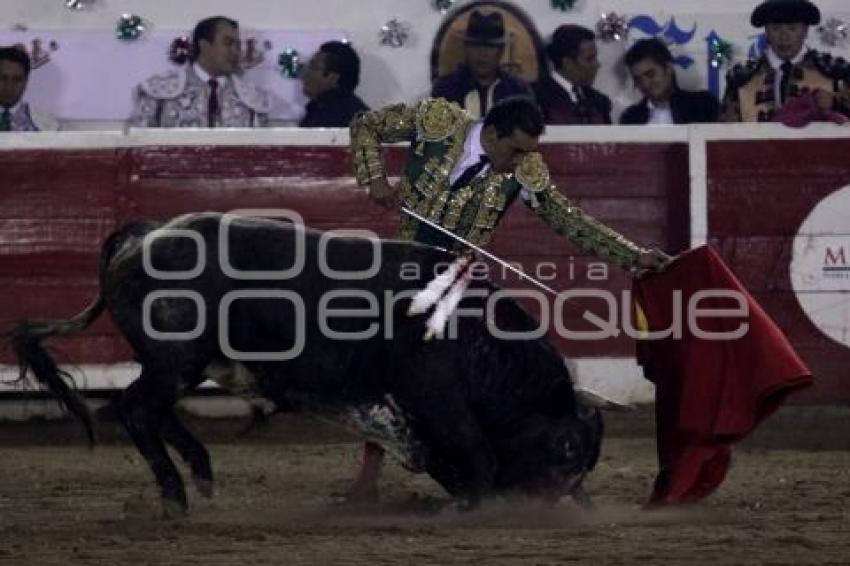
x=785 y=12
x=485 y=29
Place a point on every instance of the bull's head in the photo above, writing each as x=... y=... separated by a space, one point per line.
x=550 y=456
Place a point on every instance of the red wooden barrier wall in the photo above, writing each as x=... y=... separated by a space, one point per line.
x=759 y=192
x=56 y=206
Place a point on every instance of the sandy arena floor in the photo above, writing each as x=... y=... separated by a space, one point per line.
x=62 y=504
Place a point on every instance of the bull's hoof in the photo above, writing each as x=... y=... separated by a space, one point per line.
x=583 y=500
x=204 y=487
x=172 y=510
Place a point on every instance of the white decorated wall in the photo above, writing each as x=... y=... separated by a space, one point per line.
x=389 y=74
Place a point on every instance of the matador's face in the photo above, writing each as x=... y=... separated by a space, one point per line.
x=506 y=152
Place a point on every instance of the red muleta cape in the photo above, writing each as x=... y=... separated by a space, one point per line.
x=709 y=393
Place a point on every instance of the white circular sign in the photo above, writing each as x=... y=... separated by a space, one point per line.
x=820 y=266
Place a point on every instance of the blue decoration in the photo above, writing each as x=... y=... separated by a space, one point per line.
x=683 y=61
x=677 y=35
x=646 y=24
x=669 y=32
x=758 y=46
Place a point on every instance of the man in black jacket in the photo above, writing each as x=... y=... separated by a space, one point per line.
x=651 y=66
x=567 y=95
x=481 y=82
x=329 y=82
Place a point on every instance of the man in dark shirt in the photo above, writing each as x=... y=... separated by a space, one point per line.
x=481 y=82
x=651 y=66
x=567 y=96
x=329 y=82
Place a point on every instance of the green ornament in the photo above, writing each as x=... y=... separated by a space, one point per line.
x=720 y=52
x=289 y=63
x=563 y=5
x=130 y=27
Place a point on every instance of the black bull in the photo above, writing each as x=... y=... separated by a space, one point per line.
x=483 y=414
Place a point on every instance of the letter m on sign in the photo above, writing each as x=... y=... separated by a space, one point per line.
x=834 y=257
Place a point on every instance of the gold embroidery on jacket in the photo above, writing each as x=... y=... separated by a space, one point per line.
x=456 y=206
x=585 y=231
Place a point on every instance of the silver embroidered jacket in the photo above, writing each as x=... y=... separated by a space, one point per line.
x=180 y=99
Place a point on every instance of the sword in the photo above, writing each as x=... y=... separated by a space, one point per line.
x=478 y=249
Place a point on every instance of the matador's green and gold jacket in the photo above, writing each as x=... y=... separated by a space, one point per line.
x=437 y=130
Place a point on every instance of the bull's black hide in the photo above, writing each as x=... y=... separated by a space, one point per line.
x=488 y=415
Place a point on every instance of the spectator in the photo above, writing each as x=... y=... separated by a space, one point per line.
x=757 y=90
x=16 y=115
x=567 y=96
x=329 y=82
x=651 y=66
x=481 y=82
x=208 y=92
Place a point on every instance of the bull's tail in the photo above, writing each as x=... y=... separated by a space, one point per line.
x=26 y=340
x=27 y=336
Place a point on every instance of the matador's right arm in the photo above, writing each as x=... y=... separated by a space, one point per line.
x=433 y=119
x=371 y=129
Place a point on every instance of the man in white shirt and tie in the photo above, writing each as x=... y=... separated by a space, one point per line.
x=16 y=115
x=567 y=96
x=209 y=92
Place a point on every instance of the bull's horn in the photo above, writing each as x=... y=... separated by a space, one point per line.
x=591 y=398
